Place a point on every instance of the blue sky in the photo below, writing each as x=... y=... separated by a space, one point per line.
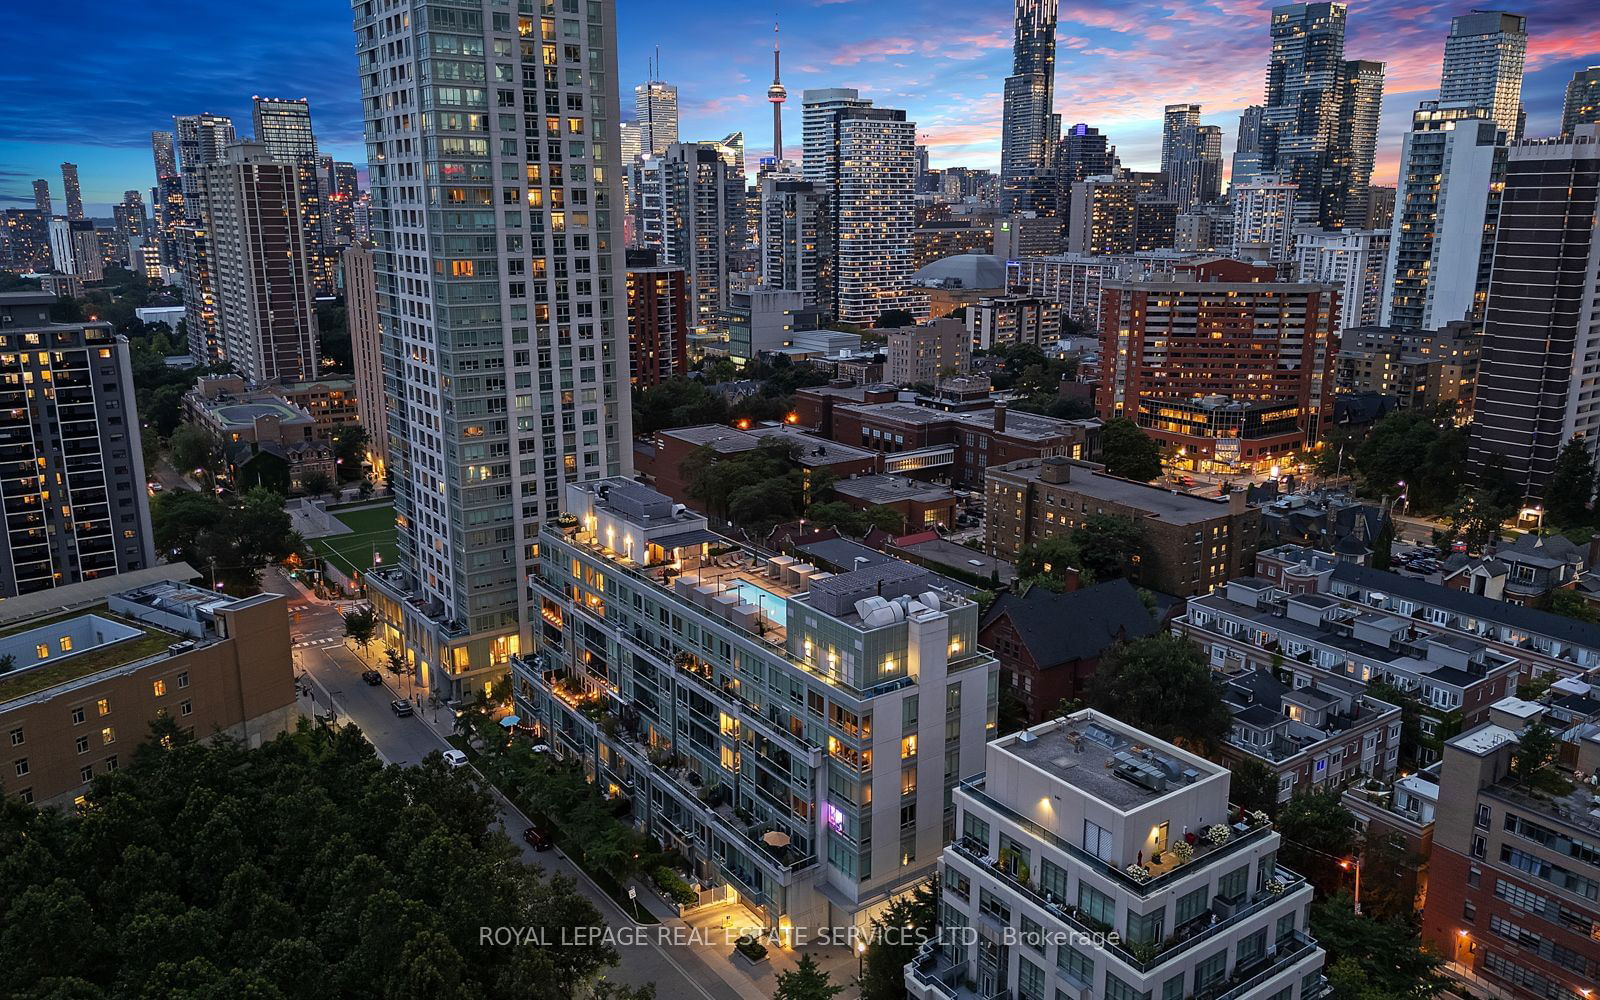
x=90 y=80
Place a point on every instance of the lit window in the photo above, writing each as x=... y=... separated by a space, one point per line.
x=103 y=706
x=159 y=688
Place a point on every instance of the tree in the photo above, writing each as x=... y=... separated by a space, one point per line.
x=349 y=447
x=1410 y=717
x=207 y=869
x=1319 y=835
x=1105 y=545
x=8 y=662
x=1383 y=545
x=1420 y=447
x=1162 y=684
x=1373 y=959
x=1536 y=748
x=891 y=319
x=360 y=625
x=1389 y=874
x=1254 y=785
x=806 y=982
x=1571 y=486
x=1571 y=604
x=1047 y=562
x=194 y=448
x=396 y=661
x=896 y=935
x=315 y=484
x=1128 y=451
x=676 y=402
x=1475 y=519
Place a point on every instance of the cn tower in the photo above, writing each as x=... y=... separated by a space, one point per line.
x=777 y=95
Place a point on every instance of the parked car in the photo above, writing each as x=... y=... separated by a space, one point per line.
x=455 y=758
x=372 y=677
x=537 y=839
x=402 y=708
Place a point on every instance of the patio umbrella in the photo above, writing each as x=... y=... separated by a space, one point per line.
x=775 y=838
x=510 y=721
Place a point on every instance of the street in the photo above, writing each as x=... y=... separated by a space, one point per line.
x=334 y=676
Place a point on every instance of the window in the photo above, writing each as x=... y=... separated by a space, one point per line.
x=1097 y=840
x=1210 y=970
x=1469 y=912
x=1481 y=820
x=1030 y=980
x=86 y=773
x=1075 y=965
x=185 y=707
x=1172 y=989
x=1116 y=989
x=158 y=688
x=1285 y=926
x=21 y=766
x=83 y=744
x=1145 y=928
x=1032 y=934
x=975 y=830
x=183 y=678
x=1191 y=906
x=1251 y=948
x=1096 y=905
x=1052 y=881
x=108 y=736
x=16 y=738
x=103 y=706
x=77 y=716
x=1232 y=886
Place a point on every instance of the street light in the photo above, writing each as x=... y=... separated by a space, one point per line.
x=861 y=959
x=1346 y=865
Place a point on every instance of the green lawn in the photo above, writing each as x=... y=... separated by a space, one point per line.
x=352 y=553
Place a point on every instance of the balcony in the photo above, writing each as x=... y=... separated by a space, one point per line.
x=1290 y=951
x=1142 y=958
x=1204 y=852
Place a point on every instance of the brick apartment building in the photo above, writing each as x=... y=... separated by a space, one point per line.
x=660 y=458
x=1229 y=333
x=1191 y=544
x=952 y=436
x=1514 y=876
x=87 y=682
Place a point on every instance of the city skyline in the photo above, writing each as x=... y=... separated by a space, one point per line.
x=1117 y=66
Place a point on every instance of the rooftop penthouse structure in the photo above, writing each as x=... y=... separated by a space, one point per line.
x=1083 y=826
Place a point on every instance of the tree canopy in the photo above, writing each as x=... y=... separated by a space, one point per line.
x=1128 y=451
x=1162 y=684
x=896 y=934
x=236 y=540
x=1420 y=447
x=806 y=982
x=1571 y=487
x=1373 y=959
x=305 y=868
x=1100 y=549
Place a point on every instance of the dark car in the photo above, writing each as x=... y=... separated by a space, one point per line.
x=402 y=708
x=537 y=839
x=372 y=677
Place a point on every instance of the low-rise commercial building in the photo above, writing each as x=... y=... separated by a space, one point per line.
x=796 y=735
x=93 y=664
x=1094 y=860
x=661 y=458
x=940 y=436
x=920 y=505
x=1191 y=544
x=332 y=403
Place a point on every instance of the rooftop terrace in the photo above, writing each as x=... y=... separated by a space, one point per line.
x=1122 y=767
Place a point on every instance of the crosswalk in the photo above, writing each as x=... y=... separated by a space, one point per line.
x=323 y=641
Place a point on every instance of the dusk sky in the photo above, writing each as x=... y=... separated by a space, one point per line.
x=87 y=82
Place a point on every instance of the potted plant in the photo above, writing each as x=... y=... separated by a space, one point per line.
x=750 y=949
x=1218 y=834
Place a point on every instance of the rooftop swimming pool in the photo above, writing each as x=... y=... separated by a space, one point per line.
x=774 y=607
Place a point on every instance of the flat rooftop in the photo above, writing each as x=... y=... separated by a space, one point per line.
x=1023 y=426
x=146 y=641
x=883 y=489
x=814 y=450
x=1103 y=758
x=246 y=414
x=1176 y=507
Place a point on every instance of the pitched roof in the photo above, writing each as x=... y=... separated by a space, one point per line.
x=1471 y=605
x=1060 y=628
